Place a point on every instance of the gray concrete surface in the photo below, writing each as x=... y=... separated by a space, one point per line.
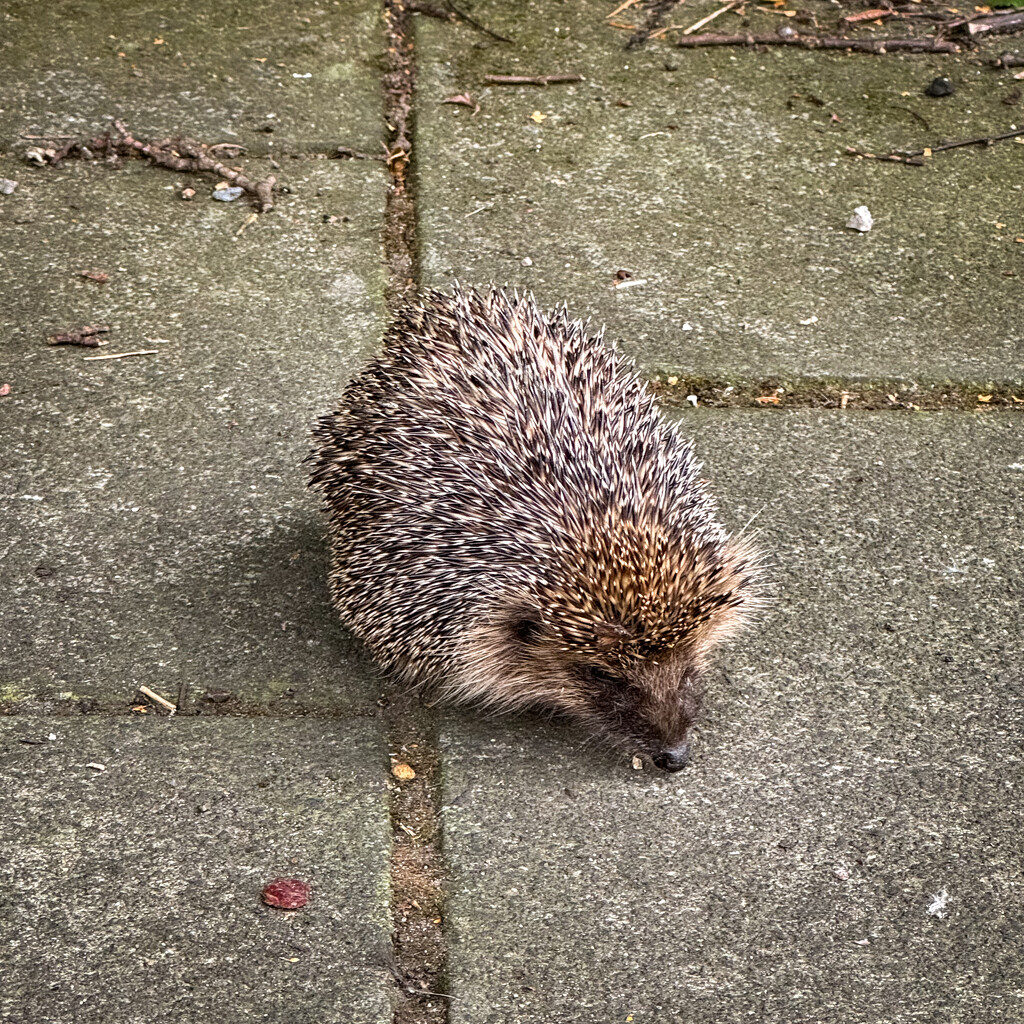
x=156 y=528
x=861 y=752
x=725 y=188
x=308 y=71
x=132 y=893
x=861 y=755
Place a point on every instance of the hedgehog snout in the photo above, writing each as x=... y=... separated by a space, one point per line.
x=672 y=759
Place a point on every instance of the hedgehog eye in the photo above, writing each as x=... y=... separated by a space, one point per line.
x=527 y=632
x=598 y=676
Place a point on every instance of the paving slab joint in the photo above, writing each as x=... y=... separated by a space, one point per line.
x=400 y=245
x=420 y=956
x=831 y=393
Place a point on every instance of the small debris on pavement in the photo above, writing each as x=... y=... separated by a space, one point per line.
x=403 y=772
x=286 y=893
x=841 y=873
x=188 y=193
x=124 y=355
x=861 y=219
x=85 y=336
x=95 y=275
x=537 y=116
x=811 y=319
x=939 y=87
x=7 y=186
x=692 y=399
x=531 y=79
x=96 y=766
x=228 y=195
x=638 y=762
x=937 y=907
x=5 y=389
x=163 y=702
x=632 y=282
x=464 y=100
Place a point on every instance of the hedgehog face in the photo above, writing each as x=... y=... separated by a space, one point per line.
x=648 y=705
x=646 y=702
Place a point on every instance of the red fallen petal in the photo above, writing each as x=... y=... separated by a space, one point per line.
x=288 y=893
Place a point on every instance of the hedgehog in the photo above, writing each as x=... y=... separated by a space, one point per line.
x=513 y=522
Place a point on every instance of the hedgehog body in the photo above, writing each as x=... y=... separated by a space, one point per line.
x=512 y=521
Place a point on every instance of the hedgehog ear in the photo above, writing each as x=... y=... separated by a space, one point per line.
x=527 y=631
x=524 y=624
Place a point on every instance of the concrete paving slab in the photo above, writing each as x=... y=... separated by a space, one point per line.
x=846 y=845
x=219 y=72
x=156 y=528
x=720 y=178
x=132 y=893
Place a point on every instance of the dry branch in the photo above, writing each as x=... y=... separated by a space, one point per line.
x=178 y=154
x=822 y=43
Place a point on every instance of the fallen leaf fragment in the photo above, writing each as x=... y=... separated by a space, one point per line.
x=463 y=100
x=96 y=766
x=984 y=398
x=537 y=116
x=95 y=275
x=85 y=336
x=286 y=893
x=403 y=772
x=5 y=389
x=638 y=763
x=768 y=400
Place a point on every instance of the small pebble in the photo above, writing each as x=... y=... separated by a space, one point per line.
x=939 y=87
x=861 y=219
x=7 y=186
x=228 y=195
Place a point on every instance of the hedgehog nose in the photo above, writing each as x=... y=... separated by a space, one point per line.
x=672 y=759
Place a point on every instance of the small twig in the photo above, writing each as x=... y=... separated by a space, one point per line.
x=711 y=17
x=914 y=114
x=251 y=219
x=182 y=155
x=981 y=140
x=463 y=16
x=125 y=355
x=895 y=158
x=992 y=24
x=622 y=7
x=531 y=79
x=186 y=155
x=147 y=692
x=914 y=158
x=823 y=43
